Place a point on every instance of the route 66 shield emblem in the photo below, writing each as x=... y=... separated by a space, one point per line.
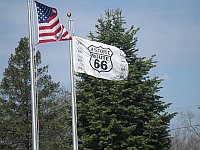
x=100 y=58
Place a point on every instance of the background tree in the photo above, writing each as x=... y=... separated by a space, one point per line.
x=126 y=114
x=186 y=134
x=15 y=105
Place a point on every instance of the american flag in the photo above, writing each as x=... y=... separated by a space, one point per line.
x=49 y=27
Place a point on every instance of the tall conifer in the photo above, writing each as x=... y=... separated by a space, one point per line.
x=15 y=105
x=126 y=114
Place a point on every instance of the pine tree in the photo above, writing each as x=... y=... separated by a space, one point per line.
x=55 y=122
x=126 y=114
x=15 y=105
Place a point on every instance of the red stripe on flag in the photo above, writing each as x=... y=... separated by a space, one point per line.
x=46 y=34
x=49 y=40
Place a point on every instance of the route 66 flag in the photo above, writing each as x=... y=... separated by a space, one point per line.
x=98 y=59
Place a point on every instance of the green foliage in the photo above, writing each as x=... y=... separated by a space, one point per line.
x=124 y=114
x=15 y=105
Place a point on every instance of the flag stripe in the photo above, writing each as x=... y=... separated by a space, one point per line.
x=48 y=40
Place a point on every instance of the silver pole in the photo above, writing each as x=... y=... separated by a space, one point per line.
x=73 y=92
x=33 y=100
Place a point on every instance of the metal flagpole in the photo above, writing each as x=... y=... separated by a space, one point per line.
x=32 y=65
x=36 y=100
x=73 y=92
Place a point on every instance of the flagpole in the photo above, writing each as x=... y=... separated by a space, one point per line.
x=32 y=65
x=73 y=92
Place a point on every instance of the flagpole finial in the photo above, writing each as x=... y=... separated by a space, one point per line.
x=69 y=14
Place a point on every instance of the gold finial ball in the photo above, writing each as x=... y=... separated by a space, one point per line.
x=69 y=14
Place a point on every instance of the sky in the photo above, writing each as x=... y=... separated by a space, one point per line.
x=170 y=29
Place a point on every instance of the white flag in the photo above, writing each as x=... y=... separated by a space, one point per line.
x=99 y=60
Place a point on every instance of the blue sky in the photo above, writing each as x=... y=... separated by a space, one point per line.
x=170 y=29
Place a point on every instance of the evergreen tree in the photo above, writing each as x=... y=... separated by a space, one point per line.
x=15 y=105
x=126 y=114
x=55 y=127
